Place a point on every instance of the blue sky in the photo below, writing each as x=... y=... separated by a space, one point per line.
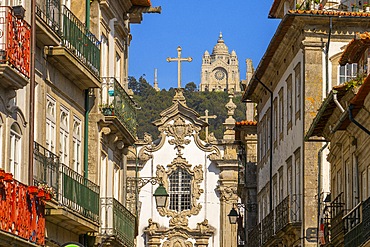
x=195 y=26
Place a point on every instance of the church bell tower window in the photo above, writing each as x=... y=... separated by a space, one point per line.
x=180 y=190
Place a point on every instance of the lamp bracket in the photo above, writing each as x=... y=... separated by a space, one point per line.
x=142 y=181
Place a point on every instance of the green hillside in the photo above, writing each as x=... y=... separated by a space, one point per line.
x=152 y=103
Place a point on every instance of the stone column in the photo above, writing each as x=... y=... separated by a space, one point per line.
x=313 y=70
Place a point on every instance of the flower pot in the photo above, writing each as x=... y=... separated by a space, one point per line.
x=8 y=177
x=367 y=9
x=41 y=194
x=47 y=196
x=33 y=190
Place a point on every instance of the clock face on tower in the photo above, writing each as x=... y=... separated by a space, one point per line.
x=219 y=74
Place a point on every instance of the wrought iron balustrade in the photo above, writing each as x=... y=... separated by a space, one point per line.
x=295 y=208
x=49 y=12
x=80 y=41
x=282 y=214
x=71 y=189
x=268 y=227
x=353 y=227
x=117 y=221
x=254 y=236
x=116 y=102
x=15 y=41
x=337 y=213
x=366 y=219
x=79 y=194
x=45 y=167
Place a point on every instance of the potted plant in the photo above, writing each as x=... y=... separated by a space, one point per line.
x=33 y=190
x=41 y=194
x=354 y=7
x=366 y=7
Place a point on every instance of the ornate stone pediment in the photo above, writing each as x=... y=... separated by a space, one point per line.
x=177 y=236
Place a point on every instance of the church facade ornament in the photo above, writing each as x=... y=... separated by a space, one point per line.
x=180 y=218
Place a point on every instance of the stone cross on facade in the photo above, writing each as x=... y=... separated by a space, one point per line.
x=206 y=117
x=179 y=59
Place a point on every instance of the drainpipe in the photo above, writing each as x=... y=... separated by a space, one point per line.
x=86 y=134
x=87 y=105
x=87 y=15
x=335 y=99
x=327 y=57
x=271 y=118
x=31 y=137
x=319 y=157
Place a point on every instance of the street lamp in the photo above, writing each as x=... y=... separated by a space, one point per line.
x=161 y=196
x=233 y=216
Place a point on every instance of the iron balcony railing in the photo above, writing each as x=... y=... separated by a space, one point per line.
x=49 y=11
x=15 y=41
x=282 y=214
x=337 y=213
x=268 y=227
x=73 y=33
x=366 y=219
x=116 y=102
x=117 y=221
x=45 y=167
x=254 y=236
x=357 y=225
x=71 y=189
x=81 y=41
x=79 y=194
x=353 y=227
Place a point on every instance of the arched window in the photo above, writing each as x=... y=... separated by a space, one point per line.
x=180 y=190
x=77 y=145
x=15 y=150
x=64 y=136
x=50 y=124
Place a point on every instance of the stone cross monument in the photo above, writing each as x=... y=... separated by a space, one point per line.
x=206 y=117
x=179 y=59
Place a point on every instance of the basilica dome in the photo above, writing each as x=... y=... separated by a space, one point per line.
x=220 y=48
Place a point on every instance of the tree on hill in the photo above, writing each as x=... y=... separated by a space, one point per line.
x=152 y=103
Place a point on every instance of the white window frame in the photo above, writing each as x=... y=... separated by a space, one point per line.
x=77 y=154
x=50 y=124
x=15 y=151
x=64 y=136
x=347 y=72
x=179 y=191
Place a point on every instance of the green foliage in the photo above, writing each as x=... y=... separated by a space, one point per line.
x=152 y=103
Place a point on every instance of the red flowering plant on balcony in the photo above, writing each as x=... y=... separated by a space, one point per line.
x=46 y=191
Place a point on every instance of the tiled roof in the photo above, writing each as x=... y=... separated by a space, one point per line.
x=330 y=13
x=355 y=49
x=246 y=123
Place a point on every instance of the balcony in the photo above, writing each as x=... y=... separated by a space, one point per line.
x=118 y=223
x=337 y=223
x=119 y=110
x=68 y=44
x=353 y=227
x=268 y=228
x=288 y=214
x=14 y=50
x=75 y=205
x=48 y=29
x=357 y=225
x=254 y=236
x=22 y=214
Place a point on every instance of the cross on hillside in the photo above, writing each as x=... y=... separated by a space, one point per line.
x=206 y=117
x=179 y=59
